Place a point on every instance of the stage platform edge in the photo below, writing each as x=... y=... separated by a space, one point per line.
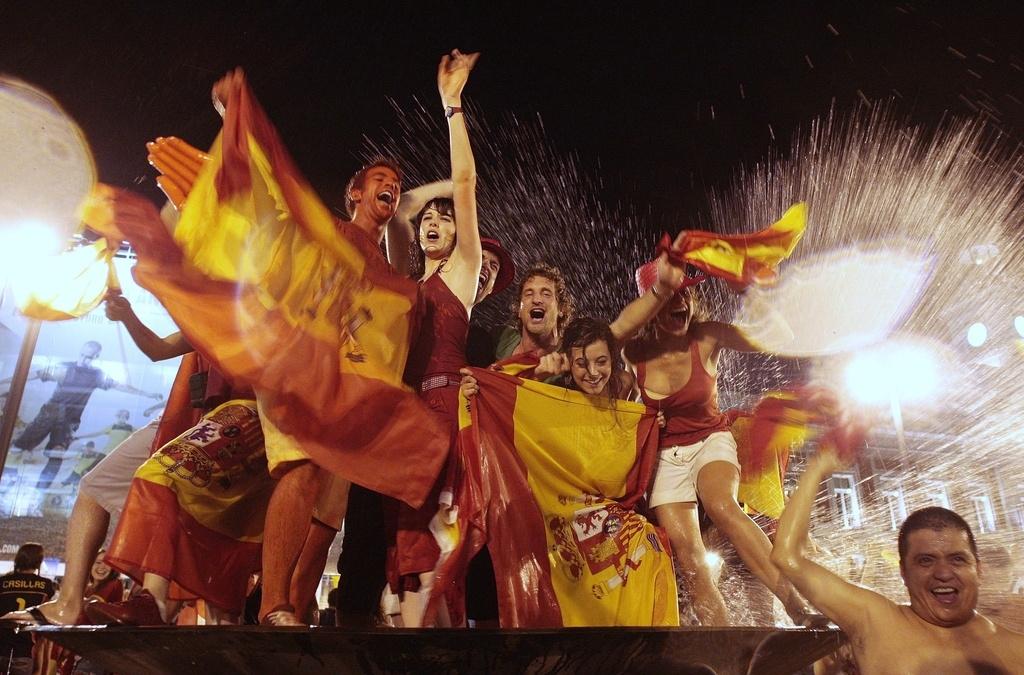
x=213 y=650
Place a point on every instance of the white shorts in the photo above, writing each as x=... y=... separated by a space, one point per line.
x=109 y=480
x=675 y=476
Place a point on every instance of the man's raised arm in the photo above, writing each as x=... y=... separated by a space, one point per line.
x=844 y=603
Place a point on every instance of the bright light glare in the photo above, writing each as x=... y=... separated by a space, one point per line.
x=712 y=559
x=906 y=372
x=977 y=334
x=25 y=247
x=1018 y=323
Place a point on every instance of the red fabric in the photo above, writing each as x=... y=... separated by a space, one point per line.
x=647 y=274
x=179 y=414
x=818 y=407
x=412 y=548
x=363 y=429
x=439 y=349
x=691 y=413
x=493 y=494
x=111 y=590
x=180 y=548
x=440 y=345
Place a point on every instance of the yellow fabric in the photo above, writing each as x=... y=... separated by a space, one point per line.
x=578 y=453
x=232 y=502
x=282 y=449
x=72 y=284
x=759 y=491
x=756 y=254
x=305 y=272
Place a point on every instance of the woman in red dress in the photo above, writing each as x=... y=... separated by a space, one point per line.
x=458 y=271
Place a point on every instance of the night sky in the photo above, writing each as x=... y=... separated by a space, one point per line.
x=661 y=100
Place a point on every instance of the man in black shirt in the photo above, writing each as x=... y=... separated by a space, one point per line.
x=20 y=589
x=59 y=417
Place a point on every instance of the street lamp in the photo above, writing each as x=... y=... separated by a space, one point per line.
x=893 y=373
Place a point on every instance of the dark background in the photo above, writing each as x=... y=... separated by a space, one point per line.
x=660 y=100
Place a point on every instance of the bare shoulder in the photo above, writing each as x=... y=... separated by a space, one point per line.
x=882 y=614
x=996 y=646
x=636 y=351
x=1010 y=638
x=711 y=334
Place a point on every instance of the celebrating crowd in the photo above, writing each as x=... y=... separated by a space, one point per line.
x=326 y=386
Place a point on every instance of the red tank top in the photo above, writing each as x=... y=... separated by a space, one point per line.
x=691 y=413
x=440 y=345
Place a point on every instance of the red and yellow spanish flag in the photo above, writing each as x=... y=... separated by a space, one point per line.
x=263 y=280
x=549 y=479
x=744 y=259
x=781 y=422
x=75 y=283
x=195 y=510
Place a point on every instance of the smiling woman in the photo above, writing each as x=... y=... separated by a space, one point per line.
x=594 y=364
x=675 y=359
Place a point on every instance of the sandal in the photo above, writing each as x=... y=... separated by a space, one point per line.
x=282 y=615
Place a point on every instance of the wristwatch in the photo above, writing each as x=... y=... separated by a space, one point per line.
x=451 y=110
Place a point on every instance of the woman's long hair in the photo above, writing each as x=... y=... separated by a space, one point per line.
x=417 y=260
x=585 y=331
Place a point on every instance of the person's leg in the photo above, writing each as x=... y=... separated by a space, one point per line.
x=328 y=516
x=49 y=472
x=87 y=528
x=680 y=522
x=288 y=520
x=38 y=429
x=215 y=616
x=309 y=569
x=717 y=484
x=101 y=493
x=149 y=607
x=159 y=587
x=748 y=601
x=362 y=560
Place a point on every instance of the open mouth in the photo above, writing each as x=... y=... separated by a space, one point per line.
x=387 y=197
x=946 y=595
x=482 y=279
x=433 y=235
x=537 y=314
x=680 y=314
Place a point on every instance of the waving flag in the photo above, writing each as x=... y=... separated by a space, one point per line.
x=550 y=477
x=781 y=422
x=267 y=284
x=742 y=259
x=75 y=283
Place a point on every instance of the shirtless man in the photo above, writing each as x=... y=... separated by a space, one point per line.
x=939 y=631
